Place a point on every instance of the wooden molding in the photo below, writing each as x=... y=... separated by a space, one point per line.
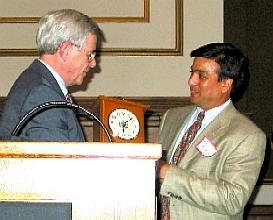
x=176 y=50
x=99 y=19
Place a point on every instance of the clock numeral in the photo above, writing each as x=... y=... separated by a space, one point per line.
x=113 y=117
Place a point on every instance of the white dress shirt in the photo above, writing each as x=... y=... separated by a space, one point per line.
x=210 y=115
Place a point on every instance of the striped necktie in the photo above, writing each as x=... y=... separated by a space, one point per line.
x=178 y=155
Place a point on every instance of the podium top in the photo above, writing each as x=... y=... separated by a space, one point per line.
x=79 y=150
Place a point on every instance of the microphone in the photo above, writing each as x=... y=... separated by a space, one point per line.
x=54 y=104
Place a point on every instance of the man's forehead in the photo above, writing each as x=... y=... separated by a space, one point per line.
x=204 y=64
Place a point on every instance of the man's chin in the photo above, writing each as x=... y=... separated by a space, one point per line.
x=79 y=81
x=194 y=99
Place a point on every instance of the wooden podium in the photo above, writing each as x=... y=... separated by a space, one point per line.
x=100 y=180
x=103 y=108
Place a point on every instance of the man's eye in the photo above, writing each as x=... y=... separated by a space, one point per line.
x=203 y=75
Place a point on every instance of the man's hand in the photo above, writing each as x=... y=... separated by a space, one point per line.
x=162 y=167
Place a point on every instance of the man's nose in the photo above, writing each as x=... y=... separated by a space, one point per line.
x=193 y=79
x=92 y=63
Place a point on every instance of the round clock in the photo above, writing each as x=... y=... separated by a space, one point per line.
x=123 y=124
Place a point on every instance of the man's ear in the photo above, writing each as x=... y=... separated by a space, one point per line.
x=64 y=50
x=227 y=85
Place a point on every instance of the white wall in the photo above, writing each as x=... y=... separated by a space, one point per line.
x=130 y=75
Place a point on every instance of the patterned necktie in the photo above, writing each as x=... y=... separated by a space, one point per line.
x=187 y=139
x=68 y=98
x=178 y=155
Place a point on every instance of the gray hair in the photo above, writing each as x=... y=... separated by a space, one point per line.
x=63 y=25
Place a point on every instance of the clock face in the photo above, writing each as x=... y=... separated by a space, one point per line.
x=123 y=124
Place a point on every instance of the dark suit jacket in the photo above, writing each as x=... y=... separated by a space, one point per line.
x=35 y=86
x=212 y=187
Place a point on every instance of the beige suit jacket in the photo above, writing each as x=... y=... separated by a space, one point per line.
x=216 y=187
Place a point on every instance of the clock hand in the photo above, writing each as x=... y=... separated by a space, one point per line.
x=126 y=122
x=123 y=124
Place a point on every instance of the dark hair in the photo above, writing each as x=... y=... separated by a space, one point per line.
x=233 y=65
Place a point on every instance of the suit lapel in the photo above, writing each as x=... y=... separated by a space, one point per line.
x=215 y=129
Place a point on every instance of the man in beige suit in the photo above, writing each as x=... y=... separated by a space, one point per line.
x=219 y=168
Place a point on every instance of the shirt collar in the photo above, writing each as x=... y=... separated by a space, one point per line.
x=57 y=77
x=211 y=114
